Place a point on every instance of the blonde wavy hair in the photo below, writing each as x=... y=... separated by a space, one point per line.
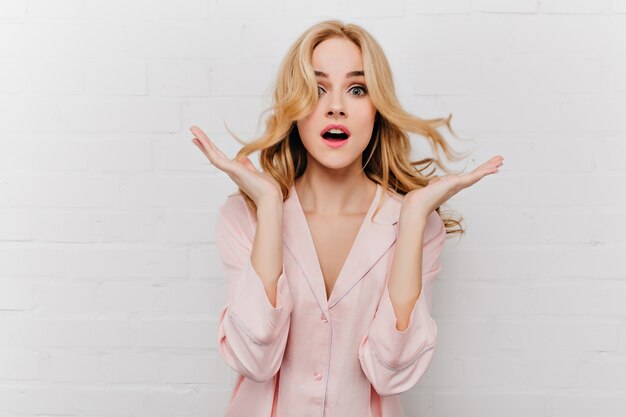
x=386 y=159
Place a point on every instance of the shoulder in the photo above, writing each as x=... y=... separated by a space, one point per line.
x=391 y=193
x=235 y=212
x=234 y=204
x=434 y=224
x=435 y=228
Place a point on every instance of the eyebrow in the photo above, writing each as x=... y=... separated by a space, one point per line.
x=348 y=75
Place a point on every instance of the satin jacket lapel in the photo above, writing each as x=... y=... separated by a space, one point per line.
x=299 y=242
x=373 y=240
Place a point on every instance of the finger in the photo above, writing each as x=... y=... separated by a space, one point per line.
x=490 y=169
x=471 y=178
x=201 y=137
x=235 y=169
x=495 y=161
x=231 y=167
x=217 y=159
x=218 y=150
x=206 y=141
x=491 y=165
x=200 y=146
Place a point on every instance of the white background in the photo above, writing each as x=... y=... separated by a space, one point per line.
x=110 y=283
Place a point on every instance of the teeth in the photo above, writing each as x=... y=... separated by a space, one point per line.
x=336 y=131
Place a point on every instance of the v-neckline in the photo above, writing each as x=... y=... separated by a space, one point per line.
x=354 y=243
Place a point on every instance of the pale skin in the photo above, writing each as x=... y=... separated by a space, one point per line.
x=332 y=191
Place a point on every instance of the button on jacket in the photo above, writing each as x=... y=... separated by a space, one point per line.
x=313 y=357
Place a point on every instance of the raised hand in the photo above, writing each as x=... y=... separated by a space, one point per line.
x=260 y=186
x=425 y=200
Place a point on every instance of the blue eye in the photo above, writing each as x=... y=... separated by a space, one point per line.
x=360 y=87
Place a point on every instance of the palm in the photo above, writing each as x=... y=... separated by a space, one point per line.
x=441 y=189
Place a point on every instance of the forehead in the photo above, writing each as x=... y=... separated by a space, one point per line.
x=337 y=57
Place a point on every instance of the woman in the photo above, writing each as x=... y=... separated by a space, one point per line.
x=337 y=322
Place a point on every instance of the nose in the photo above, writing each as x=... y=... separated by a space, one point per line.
x=336 y=108
x=335 y=113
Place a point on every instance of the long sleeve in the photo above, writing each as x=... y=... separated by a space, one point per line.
x=252 y=334
x=393 y=360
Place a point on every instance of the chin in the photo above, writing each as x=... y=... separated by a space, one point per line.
x=334 y=162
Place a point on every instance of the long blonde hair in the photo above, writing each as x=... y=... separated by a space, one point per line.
x=386 y=159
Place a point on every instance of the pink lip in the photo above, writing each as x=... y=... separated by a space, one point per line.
x=335 y=143
x=342 y=127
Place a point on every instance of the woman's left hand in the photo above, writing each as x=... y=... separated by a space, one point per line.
x=425 y=200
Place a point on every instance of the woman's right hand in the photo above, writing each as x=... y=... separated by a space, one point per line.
x=260 y=186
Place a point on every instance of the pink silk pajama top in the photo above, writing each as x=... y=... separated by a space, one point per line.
x=313 y=357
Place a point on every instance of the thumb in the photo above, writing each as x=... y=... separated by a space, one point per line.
x=247 y=163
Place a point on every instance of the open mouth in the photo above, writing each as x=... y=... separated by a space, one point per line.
x=335 y=136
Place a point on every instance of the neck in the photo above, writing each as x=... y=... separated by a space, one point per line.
x=322 y=195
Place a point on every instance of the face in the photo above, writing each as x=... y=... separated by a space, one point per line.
x=344 y=100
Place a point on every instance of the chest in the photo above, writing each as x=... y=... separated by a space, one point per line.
x=333 y=238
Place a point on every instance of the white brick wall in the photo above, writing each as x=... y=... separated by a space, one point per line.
x=110 y=283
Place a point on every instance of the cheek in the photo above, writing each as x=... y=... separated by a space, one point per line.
x=304 y=128
x=306 y=132
x=364 y=109
x=367 y=117
x=307 y=127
